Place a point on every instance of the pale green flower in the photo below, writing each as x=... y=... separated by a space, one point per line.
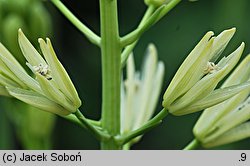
x=192 y=88
x=227 y=122
x=51 y=89
x=140 y=91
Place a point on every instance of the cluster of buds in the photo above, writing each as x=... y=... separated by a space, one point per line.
x=228 y=121
x=193 y=87
x=51 y=89
x=140 y=91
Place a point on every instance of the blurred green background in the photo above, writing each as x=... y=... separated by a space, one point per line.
x=174 y=36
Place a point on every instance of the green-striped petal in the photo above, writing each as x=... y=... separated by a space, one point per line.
x=29 y=52
x=54 y=94
x=216 y=97
x=190 y=71
x=58 y=73
x=38 y=101
x=235 y=134
x=22 y=76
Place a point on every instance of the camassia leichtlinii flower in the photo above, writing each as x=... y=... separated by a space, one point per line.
x=51 y=89
x=193 y=87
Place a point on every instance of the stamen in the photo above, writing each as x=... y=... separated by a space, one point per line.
x=210 y=68
x=43 y=70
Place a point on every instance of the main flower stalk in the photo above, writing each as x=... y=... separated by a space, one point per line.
x=111 y=71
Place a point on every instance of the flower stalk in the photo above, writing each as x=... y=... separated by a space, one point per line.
x=111 y=71
x=95 y=39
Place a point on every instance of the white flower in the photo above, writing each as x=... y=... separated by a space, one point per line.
x=140 y=91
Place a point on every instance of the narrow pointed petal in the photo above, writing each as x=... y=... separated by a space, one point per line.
x=235 y=134
x=54 y=94
x=220 y=43
x=155 y=90
x=5 y=81
x=241 y=73
x=130 y=87
x=38 y=101
x=59 y=74
x=6 y=71
x=148 y=73
x=216 y=97
x=198 y=91
x=191 y=70
x=9 y=56
x=123 y=108
x=5 y=54
x=23 y=78
x=29 y=52
x=232 y=59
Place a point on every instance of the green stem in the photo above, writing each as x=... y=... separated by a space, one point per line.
x=168 y=7
x=126 y=52
x=192 y=145
x=146 y=127
x=95 y=39
x=75 y=120
x=136 y=34
x=111 y=71
x=164 y=11
x=100 y=135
